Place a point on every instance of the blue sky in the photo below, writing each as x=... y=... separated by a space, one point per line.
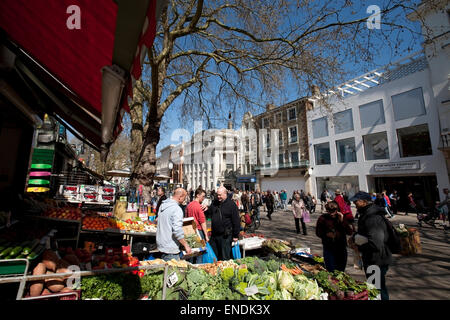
x=354 y=67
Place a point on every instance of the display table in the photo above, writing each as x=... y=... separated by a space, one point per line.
x=252 y=243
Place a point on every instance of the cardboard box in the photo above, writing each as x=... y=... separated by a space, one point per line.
x=189 y=228
x=120 y=211
x=88 y=189
x=106 y=190
x=87 y=197
x=68 y=192
x=106 y=198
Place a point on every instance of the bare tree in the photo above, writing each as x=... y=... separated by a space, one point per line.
x=216 y=57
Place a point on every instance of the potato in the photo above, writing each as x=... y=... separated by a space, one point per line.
x=46 y=292
x=66 y=290
x=36 y=288
x=55 y=286
x=50 y=259
x=39 y=269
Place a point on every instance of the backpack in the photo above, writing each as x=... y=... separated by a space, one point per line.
x=393 y=242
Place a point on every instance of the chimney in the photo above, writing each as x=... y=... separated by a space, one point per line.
x=270 y=106
x=315 y=90
x=230 y=123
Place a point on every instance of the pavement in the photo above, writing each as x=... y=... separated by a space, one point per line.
x=424 y=276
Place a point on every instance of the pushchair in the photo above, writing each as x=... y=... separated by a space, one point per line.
x=429 y=216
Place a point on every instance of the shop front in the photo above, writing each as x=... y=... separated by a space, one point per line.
x=423 y=187
x=347 y=184
x=246 y=183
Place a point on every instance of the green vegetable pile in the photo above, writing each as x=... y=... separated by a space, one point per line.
x=252 y=278
x=194 y=241
x=342 y=285
x=276 y=246
x=257 y=265
x=111 y=287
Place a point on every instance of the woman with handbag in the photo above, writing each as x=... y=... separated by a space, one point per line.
x=300 y=213
x=332 y=228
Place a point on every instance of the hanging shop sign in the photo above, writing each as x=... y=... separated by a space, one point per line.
x=396 y=166
x=251 y=179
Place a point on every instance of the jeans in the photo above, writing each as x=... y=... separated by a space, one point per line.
x=257 y=211
x=170 y=256
x=335 y=259
x=221 y=246
x=284 y=204
x=383 y=290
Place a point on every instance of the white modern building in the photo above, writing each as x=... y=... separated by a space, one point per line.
x=384 y=131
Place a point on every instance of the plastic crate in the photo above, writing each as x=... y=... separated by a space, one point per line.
x=73 y=295
x=12 y=266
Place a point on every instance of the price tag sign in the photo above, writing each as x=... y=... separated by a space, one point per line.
x=172 y=280
x=251 y=290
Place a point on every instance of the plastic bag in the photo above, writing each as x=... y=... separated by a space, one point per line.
x=236 y=251
x=209 y=256
x=306 y=217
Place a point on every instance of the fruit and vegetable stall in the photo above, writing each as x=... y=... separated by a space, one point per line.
x=280 y=272
x=58 y=250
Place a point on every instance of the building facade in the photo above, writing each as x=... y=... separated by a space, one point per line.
x=170 y=164
x=382 y=136
x=274 y=148
x=437 y=51
x=211 y=159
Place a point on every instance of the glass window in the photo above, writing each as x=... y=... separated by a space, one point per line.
x=229 y=167
x=320 y=128
x=376 y=146
x=343 y=121
x=294 y=157
x=278 y=118
x=371 y=114
x=414 y=141
x=266 y=123
x=292 y=134
x=280 y=158
x=322 y=152
x=247 y=145
x=280 y=138
x=346 y=151
x=408 y=104
x=292 y=115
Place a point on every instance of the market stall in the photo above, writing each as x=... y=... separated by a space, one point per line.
x=280 y=271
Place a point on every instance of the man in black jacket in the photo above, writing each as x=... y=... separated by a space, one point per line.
x=371 y=238
x=225 y=224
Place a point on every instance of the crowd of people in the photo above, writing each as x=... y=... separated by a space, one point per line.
x=367 y=233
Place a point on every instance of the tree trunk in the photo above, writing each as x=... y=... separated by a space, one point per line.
x=146 y=168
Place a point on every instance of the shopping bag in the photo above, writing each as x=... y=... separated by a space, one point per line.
x=236 y=251
x=306 y=217
x=209 y=256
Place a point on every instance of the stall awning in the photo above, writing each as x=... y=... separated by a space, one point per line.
x=89 y=51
